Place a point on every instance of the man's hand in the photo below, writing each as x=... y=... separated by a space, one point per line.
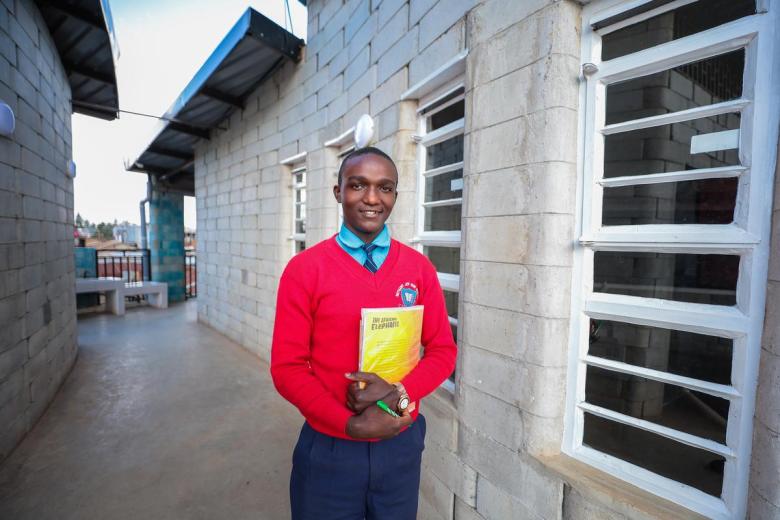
x=373 y=423
x=373 y=389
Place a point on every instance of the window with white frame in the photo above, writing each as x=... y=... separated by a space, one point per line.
x=296 y=165
x=440 y=191
x=678 y=140
x=299 y=208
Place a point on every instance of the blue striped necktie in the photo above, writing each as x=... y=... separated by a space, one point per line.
x=369 y=263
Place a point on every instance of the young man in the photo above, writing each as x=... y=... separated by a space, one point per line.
x=354 y=460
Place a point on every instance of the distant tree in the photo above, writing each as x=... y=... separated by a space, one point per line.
x=105 y=231
x=79 y=220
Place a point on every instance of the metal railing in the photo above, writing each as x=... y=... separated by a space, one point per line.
x=190 y=274
x=131 y=266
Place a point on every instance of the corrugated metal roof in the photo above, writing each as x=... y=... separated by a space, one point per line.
x=82 y=31
x=248 y=54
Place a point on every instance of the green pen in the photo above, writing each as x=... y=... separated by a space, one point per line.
x=381 y=404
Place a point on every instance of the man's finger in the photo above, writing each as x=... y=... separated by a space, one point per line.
x=365 y=377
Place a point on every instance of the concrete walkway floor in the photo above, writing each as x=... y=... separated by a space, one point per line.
x=160 y=418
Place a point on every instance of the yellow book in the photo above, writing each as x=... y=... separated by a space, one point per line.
x=390 y=343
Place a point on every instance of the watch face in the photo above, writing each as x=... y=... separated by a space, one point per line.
x=403 y=403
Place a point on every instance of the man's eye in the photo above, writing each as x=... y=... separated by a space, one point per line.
x=357 y=186
x=387 y=189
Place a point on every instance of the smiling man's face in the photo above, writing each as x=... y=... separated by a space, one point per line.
x=367 y=194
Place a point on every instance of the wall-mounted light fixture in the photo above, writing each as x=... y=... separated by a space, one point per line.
x=364 y=131
x=72 y=169
x=7 y=120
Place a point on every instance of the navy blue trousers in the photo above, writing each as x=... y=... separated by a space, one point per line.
x=339 y=479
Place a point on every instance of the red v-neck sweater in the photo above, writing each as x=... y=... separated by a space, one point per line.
x=317 y=330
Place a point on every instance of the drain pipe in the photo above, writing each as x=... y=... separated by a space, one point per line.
x=144 y=242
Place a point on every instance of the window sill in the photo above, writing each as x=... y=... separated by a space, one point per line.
x=613 y=493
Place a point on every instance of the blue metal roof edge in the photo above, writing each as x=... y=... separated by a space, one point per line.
x=240 y=29
x=228 y=43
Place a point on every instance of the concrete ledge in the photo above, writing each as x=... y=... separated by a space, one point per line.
x=614 y=494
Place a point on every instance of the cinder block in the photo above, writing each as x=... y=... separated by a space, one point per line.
x=552 y=82
x=331 y=48
x=440 y=18
x=464 y=511
x=362 y=87
x=540 y=290
x=438 y=52
x=544 y=33
x=536 y=239
x=494 y=504
x=436 y=498
x=771 y=337
x=11 y=360
x=522 y=190
x=768 y=393
x=540 y=137
x=399 y=55
x=389 y=92
x=494 y=418
x=357 y=19
x=418 y=9
x=389 y=33
x=765 y=467
x=511 y=473
x=357 y=66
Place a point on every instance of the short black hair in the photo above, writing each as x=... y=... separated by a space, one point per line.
x=368 y=150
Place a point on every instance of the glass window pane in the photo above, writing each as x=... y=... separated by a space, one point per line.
x=667 y=148
x=300 y=226
x=299 y=246
x=445 y=259
x=692 y=466
x=446 y=152
x=694 y=278
x=689 y=19
x=661 y=403
x=299 y=178
x=445 y=186
x=710 y=201
x=451 y=301
x=446 y=116
x=678 y=352
x=443 y=218
x=691 y=85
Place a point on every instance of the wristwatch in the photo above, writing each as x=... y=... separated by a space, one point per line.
x=403 y=397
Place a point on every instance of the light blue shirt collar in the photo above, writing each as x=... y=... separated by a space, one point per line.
x=352 y=244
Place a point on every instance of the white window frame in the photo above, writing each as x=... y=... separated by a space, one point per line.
x=296 y=165
x=449 y=282
x=748 y=236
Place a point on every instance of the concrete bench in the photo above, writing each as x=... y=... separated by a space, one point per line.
x=156 y=292
x=114 y=289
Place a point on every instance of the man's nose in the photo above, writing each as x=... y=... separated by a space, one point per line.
x=371 y=195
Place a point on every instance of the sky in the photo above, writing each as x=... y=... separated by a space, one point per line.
x=162 y=43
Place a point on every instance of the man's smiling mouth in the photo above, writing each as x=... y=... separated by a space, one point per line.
x=370 y=212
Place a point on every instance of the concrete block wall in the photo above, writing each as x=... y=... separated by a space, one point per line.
x=166 y=238
x=37 y=288
x=489 y=443
x=764 y=498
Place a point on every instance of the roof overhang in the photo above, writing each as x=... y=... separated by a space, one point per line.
x=253 y=49
x=83 y=33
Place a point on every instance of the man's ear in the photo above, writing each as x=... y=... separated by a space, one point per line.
x=337 y=193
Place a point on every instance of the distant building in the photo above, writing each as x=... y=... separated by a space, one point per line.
x=128 y=233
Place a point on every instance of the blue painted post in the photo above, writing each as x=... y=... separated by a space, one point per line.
x=166 y=241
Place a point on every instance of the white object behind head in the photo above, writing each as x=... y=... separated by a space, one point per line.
x=7 y=120
x=364 y=131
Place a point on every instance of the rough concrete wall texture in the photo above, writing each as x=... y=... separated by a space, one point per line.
x=764 y=498
x=166 y=235
x=485 y=441
x=37 y=288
